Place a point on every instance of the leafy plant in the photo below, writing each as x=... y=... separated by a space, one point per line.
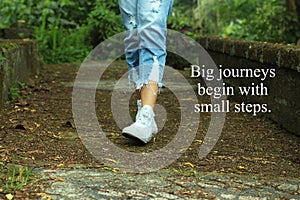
x=11 y=10
x=2 y=58
x=60 y=40
x=59 y=26
x=104 y=21
x=15 y=90
x=182 y=20
x=6 y=46
x=71 y=12
x=59 y=45
x=262 y=23
x=272 y=24
x=66 y=30
x=247 y=19
x=15 y=178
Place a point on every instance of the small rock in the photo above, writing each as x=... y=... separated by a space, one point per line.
x=227 y=196
x=166 y=195
x=288 y=187
x=204 y=185
x=110 y=193
x=251 y=198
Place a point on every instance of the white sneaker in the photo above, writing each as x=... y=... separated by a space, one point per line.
x=142 y=129
x=139 y=107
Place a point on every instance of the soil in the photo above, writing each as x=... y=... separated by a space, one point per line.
x=37 y=130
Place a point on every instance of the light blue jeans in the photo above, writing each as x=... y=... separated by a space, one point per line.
x=145 y=22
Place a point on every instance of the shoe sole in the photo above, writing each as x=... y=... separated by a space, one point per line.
x=133 y=138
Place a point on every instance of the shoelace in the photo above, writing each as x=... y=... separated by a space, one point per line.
x=144 y=117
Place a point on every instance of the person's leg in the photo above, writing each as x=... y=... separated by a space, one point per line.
x=151 y=20
x=149 y=94
x=152 y=27
x=128 y=11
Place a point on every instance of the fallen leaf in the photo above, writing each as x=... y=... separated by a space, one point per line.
x=111 y=169
x=241 y=167
x=21 y=102
x=111 y=160
x=9 y=196
x=59 y=179
x=183 y=192
x=57 y=157
x=46 y=196
x=37 y=125
x=189 y=164
x=22 y=126
x=182 y=184
x=187 y=99
x=36 y=151
x=57 y=136
x=31 y=82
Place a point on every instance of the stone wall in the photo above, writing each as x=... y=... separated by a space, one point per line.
x=18 y=59
x=284 y=89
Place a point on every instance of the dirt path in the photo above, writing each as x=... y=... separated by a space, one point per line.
x=253 y=157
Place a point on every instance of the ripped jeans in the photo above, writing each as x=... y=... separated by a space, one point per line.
x=145 y=22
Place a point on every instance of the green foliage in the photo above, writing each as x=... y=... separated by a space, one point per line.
x=180 y=18
x=67 y=35
x=15 y=178
x=11 y=10
x=266 y=24
x=58 y=26
x=60 y=40
x=6 y=46
x=59 y=45
x=220 y=14
x=2 y=57
x=15 y=90
x=33 y=11
x=104 y=20
x=247 y=19
x=66 y=30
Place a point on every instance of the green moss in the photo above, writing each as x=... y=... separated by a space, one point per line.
x=5 y=46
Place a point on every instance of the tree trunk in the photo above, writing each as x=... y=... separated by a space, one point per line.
x=291 y=6
x=298 y=9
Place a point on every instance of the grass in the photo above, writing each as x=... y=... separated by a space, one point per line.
x=14 y=178
x=189 y=172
